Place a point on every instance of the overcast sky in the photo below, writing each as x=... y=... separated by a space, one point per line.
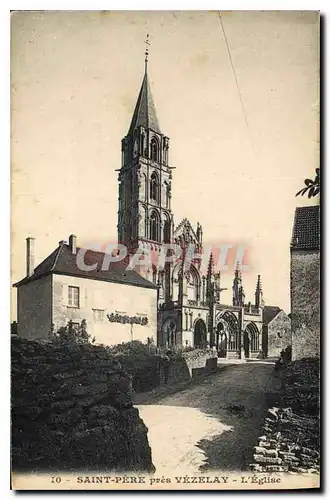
x=75 y=81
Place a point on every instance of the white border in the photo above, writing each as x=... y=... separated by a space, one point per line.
x=5 y=8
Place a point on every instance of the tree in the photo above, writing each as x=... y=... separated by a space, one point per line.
x=71 y=334
x=312 y=187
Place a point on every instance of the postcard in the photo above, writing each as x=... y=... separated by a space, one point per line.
x=165 y=233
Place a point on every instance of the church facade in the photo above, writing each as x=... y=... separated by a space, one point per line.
x=190 y=313
x=166 y=295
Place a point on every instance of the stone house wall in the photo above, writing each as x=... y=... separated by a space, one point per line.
x=278 y=334
x=305 y=303
x=34 y=308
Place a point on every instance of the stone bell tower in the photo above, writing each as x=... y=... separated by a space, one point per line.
x=145 y=218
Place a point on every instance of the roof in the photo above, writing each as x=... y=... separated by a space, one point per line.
x=145 y=112
x=269 y=313
x=63 y=261
x=306 y=228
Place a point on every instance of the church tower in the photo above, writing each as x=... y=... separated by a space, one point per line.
x=145 y=218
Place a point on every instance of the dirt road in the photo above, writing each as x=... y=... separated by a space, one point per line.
x=213 y=425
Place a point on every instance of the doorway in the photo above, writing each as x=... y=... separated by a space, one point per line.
x=200 y=334
x=246 y=344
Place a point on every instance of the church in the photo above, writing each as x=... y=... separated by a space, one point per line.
x=176 y=305
x=190 y=313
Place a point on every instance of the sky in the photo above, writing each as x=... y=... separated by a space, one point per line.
x=240 y=153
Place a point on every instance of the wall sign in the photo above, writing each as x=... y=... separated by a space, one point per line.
x=133 y=320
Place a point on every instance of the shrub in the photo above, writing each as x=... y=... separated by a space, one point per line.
x=140 y=361
x=71 y=334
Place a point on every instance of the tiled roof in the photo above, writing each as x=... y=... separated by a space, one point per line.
x=145 y=112
x=306 y=228
x=269 y=313
x=63 y=261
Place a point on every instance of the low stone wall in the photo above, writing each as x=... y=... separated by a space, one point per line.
x=288 y=443
x=201 y=361
x=72 y=409
x=191 y=364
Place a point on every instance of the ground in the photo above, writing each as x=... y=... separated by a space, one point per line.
x=212 y=425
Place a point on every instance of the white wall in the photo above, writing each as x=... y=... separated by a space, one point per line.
x=111 y=297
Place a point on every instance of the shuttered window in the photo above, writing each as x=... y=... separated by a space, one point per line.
x=73 y=296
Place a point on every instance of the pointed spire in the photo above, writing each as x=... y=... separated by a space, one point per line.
x=238 y=290
x=258 y=293
x=210 y=268
x=238 y=274
x=145 y=112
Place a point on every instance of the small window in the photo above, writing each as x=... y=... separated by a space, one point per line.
x=154 y=149
x=73 y=296
x=98 y=315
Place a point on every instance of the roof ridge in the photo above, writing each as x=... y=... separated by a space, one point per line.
x=57 y=256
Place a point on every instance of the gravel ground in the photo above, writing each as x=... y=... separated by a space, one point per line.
x=212 y=425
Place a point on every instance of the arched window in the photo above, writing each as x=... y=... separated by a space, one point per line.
x=154 y=149
x=167 y=231
x=154 y=275
x=136 y=147
x=252 y=338
x=192 y=284
x=154 y=227
x=154 y=188
x=142 y=222
x=230 y=325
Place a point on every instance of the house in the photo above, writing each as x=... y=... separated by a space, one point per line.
x=305 y=282
x=75 y=284
x=276 y=331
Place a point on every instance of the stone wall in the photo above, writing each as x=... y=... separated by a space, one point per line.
x=305 y=303
x=278 y=334
x=34 y=308
x=201 y=361
x=287 y=444
x=191 y=364
x=290 y=439
x=72 y=409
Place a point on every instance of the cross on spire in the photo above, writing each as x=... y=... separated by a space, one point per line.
x=147 y=44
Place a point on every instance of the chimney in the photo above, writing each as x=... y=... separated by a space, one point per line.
x=73 y=243
x=29 y=256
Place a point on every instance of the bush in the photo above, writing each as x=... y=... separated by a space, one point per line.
x=139 y=360
x=285 y=357
x=71 y=334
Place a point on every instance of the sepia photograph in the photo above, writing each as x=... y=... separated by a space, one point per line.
x=165 y=250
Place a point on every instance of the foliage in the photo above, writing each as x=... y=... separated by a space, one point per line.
x=13 y=328
x=71 y=334
x=312 y=187
x=134 y=348
x=285 y=357
x=138 y=359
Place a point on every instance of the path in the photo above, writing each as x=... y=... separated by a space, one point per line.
x=212 y=425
